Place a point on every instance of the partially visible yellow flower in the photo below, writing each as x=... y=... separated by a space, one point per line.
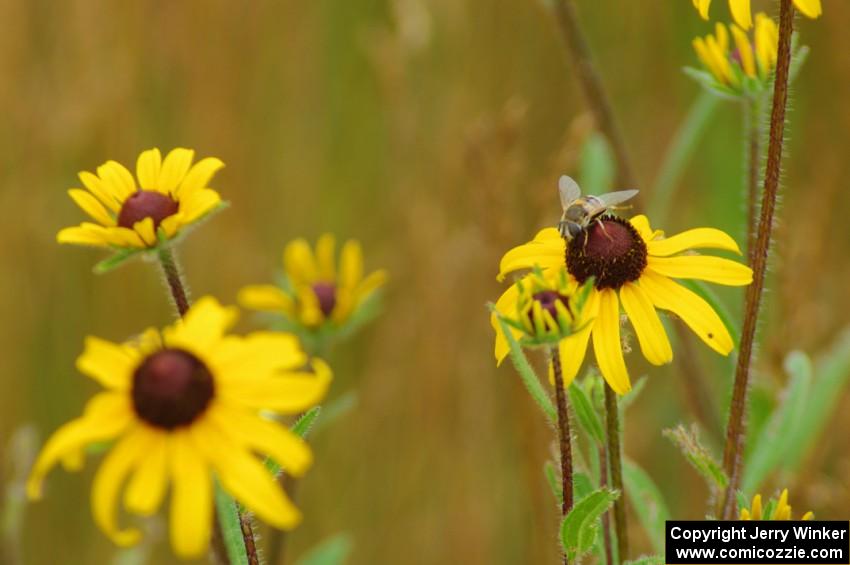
x=316 y=291
x=632 y=266
x=742 y=15
x=746 y=60
x=171 y=195
x=780 y=509
x=182 y=406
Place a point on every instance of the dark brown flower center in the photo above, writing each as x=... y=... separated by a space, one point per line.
x=610 y=250
x=326 y=294
x=171 y=388
x=146 y=204
x=548 y=299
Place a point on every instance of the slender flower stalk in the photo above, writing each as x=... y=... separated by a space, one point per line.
x=564 y=437
x=612 y=422
x=736 y=429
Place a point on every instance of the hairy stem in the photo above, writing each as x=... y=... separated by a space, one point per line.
x=612 y=421
x=737 y=428
x=595 y=94
x=564 y=437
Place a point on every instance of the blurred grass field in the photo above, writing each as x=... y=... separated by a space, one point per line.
x=434 y=132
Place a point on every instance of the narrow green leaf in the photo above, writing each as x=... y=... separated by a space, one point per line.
x=231 y=528
x=698 y=456
x=581 y=525
x=114 y=261
x=336 y=409
x=628 y=399
x=597 y=165
x=305 y=422
x=648 y=502
x=587 y=417
x=332 y=551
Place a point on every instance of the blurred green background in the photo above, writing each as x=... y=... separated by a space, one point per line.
x=434 y=132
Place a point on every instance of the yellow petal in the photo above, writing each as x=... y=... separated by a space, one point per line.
x=650 y=333
x=108 y=363
x=808 y=516
x=298 y=262
x=809 y=8
x=191 y=516
x=741 y=13
x=287 y=393
x=721 y=34
x=246 y=478
x=370 y=284
x=117 y=464
x=606 y=343
x=721 y=62
x=174 y=169
x=350 y=264
x=202 y=327
x=641 y=224
x=767 y=43
x=325 y=257
x=198 y=177
x=699 y=238
x=745 y=51
x=146 y=488
x=106 y=415
x=82 y=235
x=199 y=203
x=702 y=267
x=117 y=179
x=573 y=349
x=91 y=206
x=256 y=356
x=148 y=166
x=693 y=310
x=547 y=250
x=172 y=223
x=101 y=191
x=757 y=510
x=505 y=305
x=269 y=438
x=145 y=230
x=124 y=237
x=265 y=297
x=702 y=7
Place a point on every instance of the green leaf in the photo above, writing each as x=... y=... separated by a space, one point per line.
x=305 y=422
x=587 y=417
x=336 y=409
x=526 y=372
x=231 y=528
x=117 y=259
x=628 y=399
x=581 y=525
x=782 y=430
x=698 y=456
x=332 y=551
x=597 y=165
x=708 y=82
x=648 y=502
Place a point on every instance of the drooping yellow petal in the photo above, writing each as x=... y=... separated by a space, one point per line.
x=547 y=250
x=721 y=34
x=147 y=486
x=198 y=177
x=702 y=267
x=117 y=464
x=506 y=304
x=809 y=8
x=325 y=257
x=702 y=7
x=262 y=436
x=256 y=356
x=606 y=343
x=108 y=363
x=693 y=310
x=265 y=297
x=350 y=264
x=202 y=327
x=199 y=203
x=286 y=393
x=745 y=51
x=174 y=169
x=309 y=311
x=299 y=263
x=650 y=333
x=117 y=179
x=767 y=43
x=148 y=166
x=82 y=235
x=720 y=61
x=191 y=516
x=573 y=349
x=106 y=415
x=91 y=206
x=101 y=191
x=699 y=238
x=145 y=230
x=741 y=13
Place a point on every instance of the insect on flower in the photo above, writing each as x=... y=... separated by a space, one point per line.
x=581 y=211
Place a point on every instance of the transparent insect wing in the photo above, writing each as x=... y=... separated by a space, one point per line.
x=569 y=191
x=614 y=198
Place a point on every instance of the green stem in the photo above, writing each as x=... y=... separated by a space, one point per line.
x=239 y=548
x=679 y=153
x=564 y=438
x=615 y=460
x=526 y=372
x=736 y=430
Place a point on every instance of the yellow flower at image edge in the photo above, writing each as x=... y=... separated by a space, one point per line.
x=632 y=266
x=743 y=16
x=754 y=60
x=781 y=510
x=171 y=194
x=318 y=292
x=184 y=405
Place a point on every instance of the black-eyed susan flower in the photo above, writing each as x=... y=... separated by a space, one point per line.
x=775 y=509
x=166 y=197
x=634 y=267
x=743 y=16
x=315 y=291
x=184 y=406
x=746 y=69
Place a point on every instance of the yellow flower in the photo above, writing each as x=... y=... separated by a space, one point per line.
x=170 y=196
x=316 y=292
x=777 y=510
x=632 y=266
x=548 y=308
x=741 y=10
x=183 y=405
x=747 y=60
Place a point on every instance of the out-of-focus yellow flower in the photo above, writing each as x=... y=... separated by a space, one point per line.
x=185 y=405
x=775 y=510
x=755 y=61
x=170 y=196
x=742 y=15
x=632 y=266
x=315 y=291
